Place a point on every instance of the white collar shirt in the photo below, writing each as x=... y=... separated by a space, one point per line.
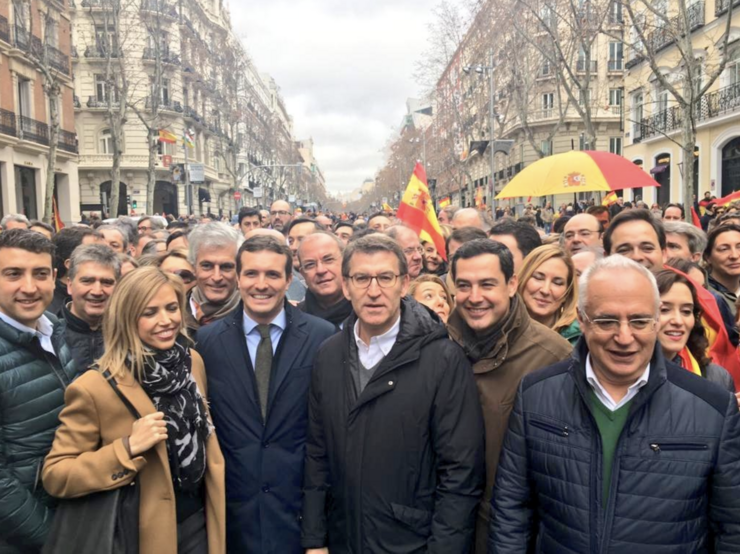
x=602 y=394
x=277 y=326
x=43 y=331
x=379 y=347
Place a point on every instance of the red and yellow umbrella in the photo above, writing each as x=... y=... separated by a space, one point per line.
x=577 y=171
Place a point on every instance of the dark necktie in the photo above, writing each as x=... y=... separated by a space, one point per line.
x=263 y=367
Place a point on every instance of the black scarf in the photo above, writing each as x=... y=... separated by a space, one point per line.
x=335 y=314
x=476 y=345
x=168 y=381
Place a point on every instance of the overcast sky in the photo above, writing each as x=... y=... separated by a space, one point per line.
x=345 y=71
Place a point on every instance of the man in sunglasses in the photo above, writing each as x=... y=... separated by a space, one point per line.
x=394 y=455
x=617 y=446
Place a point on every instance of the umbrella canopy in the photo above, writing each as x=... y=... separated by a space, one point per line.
x=577 y=171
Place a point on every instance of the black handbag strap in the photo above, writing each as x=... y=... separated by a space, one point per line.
x=112 y=382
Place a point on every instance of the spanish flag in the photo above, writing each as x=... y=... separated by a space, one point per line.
x=609 y=199
x=168 y=137
x=727 y=199
x=58 y=224
x=386 y=207
x=444 y=202
x=479 y=198
x=417 y=211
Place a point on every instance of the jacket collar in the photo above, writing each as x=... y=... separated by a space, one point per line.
x=75 y=323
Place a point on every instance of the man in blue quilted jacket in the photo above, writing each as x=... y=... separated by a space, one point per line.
x=35 y=368
x=618 y=450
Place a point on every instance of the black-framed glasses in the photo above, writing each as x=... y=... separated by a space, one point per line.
x=186 y=275
x=384 y=280
x=608 y=326
x=279 y=212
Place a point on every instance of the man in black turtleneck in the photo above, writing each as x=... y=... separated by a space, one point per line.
x=93 y=272
x=65 y=242
x=320 y=257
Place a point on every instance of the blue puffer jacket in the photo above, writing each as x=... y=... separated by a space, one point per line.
x=32 y=384
x=675 y=478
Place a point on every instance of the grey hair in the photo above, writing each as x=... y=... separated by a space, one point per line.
x=212 y=235
x=119 y=229
x=371 y=244
x=609 y=264
x=97 y=254
x=18 y=218
x=597 y=251
x=696 y=237
x=332 y=236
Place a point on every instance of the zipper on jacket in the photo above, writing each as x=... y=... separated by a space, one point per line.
x=561 y=430
x=657 y=447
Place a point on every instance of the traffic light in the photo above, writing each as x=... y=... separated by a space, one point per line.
x=128 y=199
x=133 y=204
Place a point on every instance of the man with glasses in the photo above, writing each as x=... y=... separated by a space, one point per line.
x=582 y=231
x=147 y=225
x=411 y=246
x=394 y=455
x=501 y=341
x=280 y=215
x=617 y=449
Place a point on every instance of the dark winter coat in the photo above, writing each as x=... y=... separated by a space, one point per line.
x=32 y=384
x=264 y=462
x=399 y=469
x=85 y=343
x=675 y=475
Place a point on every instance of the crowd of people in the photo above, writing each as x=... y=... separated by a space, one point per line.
x=290 y=383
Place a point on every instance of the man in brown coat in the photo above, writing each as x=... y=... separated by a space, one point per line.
x=492 y=325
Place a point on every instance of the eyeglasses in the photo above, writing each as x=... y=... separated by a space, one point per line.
x=582 y=233
x=607 y=326
x=279 y=212
x=409 y=251
x=187 y=276
x=144 y=229
x=384 y=280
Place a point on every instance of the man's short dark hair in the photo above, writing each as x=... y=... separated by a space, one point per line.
x=30 y=241
x=344 y=224
x=634 y=215
x=46 y=226
x=480 y=247
x=176 y=235
x=360 y=233
x=265 y=243
x=65 y=242
x=377 y=214
x=559 y=224
x=463 y=235
x=317 y=226
x=527 y=238
x=248 y=212
x=598 y=210
x=679 y=206
x=173 y=225
x=370 y=244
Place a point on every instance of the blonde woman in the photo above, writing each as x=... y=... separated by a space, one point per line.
x=548 y=286
x=172 y=450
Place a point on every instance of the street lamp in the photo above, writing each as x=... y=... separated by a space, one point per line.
x=480 y=70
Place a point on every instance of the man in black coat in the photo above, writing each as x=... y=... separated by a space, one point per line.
x=258 y=407
x=617 y=450
x=93 y=272
x=395 y=458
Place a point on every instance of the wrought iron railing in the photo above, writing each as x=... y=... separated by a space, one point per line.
x=58 y=60
x=721 y=6
x=667 y=34
x=67 y=141
x=150 y=54
x=581 y=65
x=21 y=38
x=4 y=29
x=7 y=123
x=160 y=7
x=35 y=131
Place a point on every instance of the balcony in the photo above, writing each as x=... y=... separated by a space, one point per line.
x=32 y=130
x=581 y=66
x=100 y=51
x=67 y=141
x=665 y=36
x=616 y=65
x=633 y=61
x=166 y=57
x=100 y=4
x=165 y=105
x=21 y=37
x=191 y=113
x=57 y=59
x=161 y=8
x=4 y=29
x=95 y=103
x=721 y=6
x=7 y=123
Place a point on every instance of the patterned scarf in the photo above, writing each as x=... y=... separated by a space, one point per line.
x=210 y=311
x=168 y=381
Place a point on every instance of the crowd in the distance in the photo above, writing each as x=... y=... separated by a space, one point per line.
x=322 y=383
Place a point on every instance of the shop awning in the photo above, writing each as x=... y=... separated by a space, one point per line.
x=660 y=168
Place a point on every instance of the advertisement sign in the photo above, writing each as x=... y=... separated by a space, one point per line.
x=291 y=198
x=257 y=192
x=197 y=173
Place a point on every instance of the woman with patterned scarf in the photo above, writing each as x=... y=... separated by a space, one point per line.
x=172 y=450
x=681 y=333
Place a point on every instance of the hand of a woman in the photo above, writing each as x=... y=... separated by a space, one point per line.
x=147 y=432
x=737 y=395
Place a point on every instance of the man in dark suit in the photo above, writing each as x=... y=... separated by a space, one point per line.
x=258 y=361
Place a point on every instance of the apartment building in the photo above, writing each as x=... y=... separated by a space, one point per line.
x=29 y=32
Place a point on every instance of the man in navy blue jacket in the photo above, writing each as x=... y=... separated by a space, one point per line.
x=258 y=362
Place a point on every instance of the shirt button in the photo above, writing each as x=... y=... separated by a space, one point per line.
x=265 y=489
x=265 y=445
x=114 y=476
x=390 y=383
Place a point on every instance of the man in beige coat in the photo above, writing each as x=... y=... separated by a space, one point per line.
x=492 y=325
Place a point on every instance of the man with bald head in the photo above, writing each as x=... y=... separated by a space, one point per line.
x=280 y=215
x=409 y=242
x=582 y=231
x=585 y=258
x=468 y=217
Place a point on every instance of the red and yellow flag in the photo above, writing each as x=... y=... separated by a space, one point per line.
x=444 y=202
x=166 y=136
x=479 y=198
x=417 y=211
x=727 y=199
x=58 y=224
x=609 y=199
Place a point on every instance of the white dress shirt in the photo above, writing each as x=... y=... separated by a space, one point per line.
x=379 y=347
x=43 y=331
x=604 y=396
x=277 y=326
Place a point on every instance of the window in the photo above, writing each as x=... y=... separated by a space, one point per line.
x=661 y=95
x=24 y=97
x=616 y=50
x=547 y=14
x=161 y=40
x=546 y=147
x=545 y=70
x=584 y=97
x=51 y=33
x=105 y=142
x=548 y=103
x=615 y=12
x=615 y=145
x=106 y=40
x=731 y=74
x=103 y=90
x=166 y=92
x=615 y=97
x=638 y=101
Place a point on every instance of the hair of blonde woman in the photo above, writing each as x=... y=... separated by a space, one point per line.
x=121 y=319
x=181 y=253
x=428 y=278
x=538 y=256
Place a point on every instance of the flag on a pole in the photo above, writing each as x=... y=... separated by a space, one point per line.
x=417 y=211
x=58 y=224
x=727 y=199
x=609 y=199
x=695 y=218
x=479 y=198
x=444 y=202
x=188 y=138
x=167 y=136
